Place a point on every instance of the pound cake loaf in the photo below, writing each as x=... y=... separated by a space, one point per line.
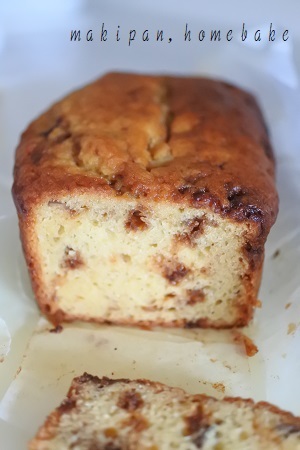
x=147 y=200
x=107 y=414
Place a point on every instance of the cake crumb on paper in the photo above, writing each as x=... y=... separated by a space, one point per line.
x=288 y=305
x=250 y=348
x=219 y=387
x=258 y=304
x=292 y=328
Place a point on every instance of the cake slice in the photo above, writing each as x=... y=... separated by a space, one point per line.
x=105 y=414
x=147 y=200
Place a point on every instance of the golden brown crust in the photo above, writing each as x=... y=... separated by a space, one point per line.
x=195 y=142
x=106 y=137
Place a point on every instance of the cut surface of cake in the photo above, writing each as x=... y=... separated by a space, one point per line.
x=147 y=200
x=105 y=414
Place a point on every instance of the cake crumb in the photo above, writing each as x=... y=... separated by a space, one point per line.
x=250 y=348
x=219 y=387
x=17 y=372
x=292 y=327
x=258 y=304
x=227 y=366
x=276 y=254
x=288 y=305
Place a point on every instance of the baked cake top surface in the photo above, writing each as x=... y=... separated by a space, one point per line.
x=193 y=141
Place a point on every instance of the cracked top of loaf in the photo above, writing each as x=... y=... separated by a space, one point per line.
x=193 y=141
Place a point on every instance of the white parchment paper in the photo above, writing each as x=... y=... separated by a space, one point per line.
x=36 y=365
